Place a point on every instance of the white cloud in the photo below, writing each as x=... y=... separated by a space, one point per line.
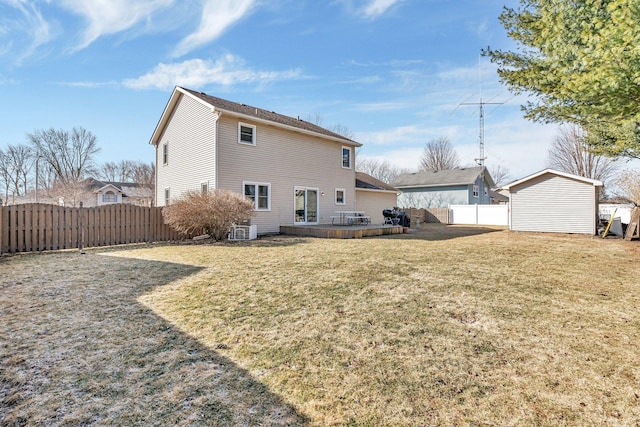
x=382 y=106
x=195 y=73
x=111 y=16
x=217 y=16
x=31 y=24
x=376 y=8
x=397 y=136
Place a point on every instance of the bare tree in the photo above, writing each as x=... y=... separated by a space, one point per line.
x=128 y=171
x=70 y=156
x=144 y=174
x=121 y=171
x=71 y=193
x=500 y=175
x=379 y=169
x=570 y=153
x=15 y=164
x=439 y=155
x=6 y=172
x=629 y=185
x=341 y=130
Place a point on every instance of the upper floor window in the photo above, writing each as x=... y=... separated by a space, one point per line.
x=109 y=197
x=246 y=134
x=346 y=157
x=165 y=153
x=476 y=191
x=260 y=193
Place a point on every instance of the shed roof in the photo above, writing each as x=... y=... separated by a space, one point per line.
x=367 y=182
x=248 y=112
x=430 y=178
x=593 y=182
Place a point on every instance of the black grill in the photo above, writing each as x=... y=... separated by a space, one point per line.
x=396 y=217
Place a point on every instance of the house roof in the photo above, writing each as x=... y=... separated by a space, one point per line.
x=247 y=112
x=442 y=178
x=128 y=189
x=593 y=182
x=367 y=182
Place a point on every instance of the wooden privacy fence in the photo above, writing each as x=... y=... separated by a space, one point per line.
x=40 y=227
x=428 y=215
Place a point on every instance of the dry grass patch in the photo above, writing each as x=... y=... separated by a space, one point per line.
x=77 y=348
x=448 y=326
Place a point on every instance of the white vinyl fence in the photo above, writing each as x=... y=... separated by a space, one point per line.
x=479 y=214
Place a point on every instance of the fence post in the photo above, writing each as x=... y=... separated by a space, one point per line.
x=1 y=228
x=81 y=225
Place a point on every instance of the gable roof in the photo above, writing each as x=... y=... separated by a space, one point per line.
x=247 y=112
x=367 y=182
x=447 y=177
x=128 y=189
x=593 y=182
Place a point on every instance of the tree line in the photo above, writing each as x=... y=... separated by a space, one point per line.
x=57 y=161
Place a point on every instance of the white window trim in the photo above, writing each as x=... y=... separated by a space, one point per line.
x=344 y=196
x=104 y=197
x=342 y=157
x=476 y=191
x=165 y=153
x=167 y=192
x=202 y=185
x=247 y=125
x=256 y=184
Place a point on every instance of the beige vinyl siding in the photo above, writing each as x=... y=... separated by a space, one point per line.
x=285 y=159
x=190 y=135
x=372 y=202
x=551 y=203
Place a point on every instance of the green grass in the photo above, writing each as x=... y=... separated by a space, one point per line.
x=446 y=326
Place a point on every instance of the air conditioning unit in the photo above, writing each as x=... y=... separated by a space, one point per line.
x=243 y=232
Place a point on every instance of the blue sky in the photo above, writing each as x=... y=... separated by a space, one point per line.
x=392 y=71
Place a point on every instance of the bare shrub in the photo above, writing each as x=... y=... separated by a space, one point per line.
x=212 y=213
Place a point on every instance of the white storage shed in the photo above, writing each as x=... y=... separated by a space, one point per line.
x=555 y=202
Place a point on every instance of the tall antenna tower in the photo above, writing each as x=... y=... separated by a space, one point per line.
x=481 y=157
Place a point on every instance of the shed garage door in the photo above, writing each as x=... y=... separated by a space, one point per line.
x=551 y=203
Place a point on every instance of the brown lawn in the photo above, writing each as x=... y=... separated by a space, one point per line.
x=446 y=326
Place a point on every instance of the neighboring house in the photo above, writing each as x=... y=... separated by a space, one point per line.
x=553 y=201
x=91 y=192
x=499 y=196
x=297 y=173
x=110 y=192
x=439 y=189
x=373 y=195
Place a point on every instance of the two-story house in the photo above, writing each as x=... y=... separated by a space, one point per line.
x=297 y=173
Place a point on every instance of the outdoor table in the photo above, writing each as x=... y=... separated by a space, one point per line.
x=348 y=217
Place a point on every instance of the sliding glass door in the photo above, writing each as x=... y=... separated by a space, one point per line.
x=306 y=205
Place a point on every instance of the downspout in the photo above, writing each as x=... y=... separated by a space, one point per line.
x=217 y=115
x=154 y=202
